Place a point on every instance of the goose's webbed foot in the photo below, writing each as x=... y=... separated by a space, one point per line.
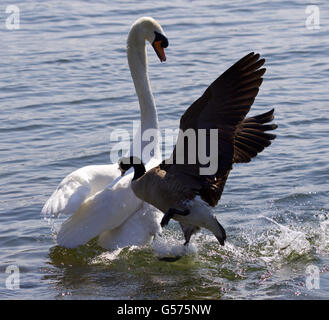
x=170 y=213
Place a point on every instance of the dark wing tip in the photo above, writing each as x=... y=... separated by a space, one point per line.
x=265 y=117
x=252 y=136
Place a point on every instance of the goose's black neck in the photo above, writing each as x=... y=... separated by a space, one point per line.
x=139 y=168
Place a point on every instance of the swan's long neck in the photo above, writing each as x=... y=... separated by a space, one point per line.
x=137 y=60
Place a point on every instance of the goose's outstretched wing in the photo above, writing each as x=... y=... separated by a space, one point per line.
x=223 y=106
x=251 y=137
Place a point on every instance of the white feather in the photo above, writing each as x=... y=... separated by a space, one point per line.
x=75 y=188
x=135 y=231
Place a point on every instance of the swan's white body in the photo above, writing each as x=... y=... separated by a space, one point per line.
x=100 y=201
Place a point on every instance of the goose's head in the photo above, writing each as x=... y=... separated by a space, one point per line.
x=126 y=163
x=147 y=28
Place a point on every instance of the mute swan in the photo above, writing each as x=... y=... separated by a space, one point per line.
x=98 y=198
x=179 y=189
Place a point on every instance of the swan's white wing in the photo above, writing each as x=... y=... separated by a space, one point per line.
x=68 y=196
x=106 y=210
x=77 y=187
x=137 y=230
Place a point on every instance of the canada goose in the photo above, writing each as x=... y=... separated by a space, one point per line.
x=87 y=194
x=177 y=188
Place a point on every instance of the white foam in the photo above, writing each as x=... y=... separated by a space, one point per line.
x=169 y=247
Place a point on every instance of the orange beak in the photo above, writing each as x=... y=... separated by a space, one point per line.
x=157 y=45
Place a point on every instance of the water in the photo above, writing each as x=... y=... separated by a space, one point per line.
x=65 y=85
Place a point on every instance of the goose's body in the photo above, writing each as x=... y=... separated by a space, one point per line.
x=168 y=194
x=149 y=187
x=186 y=191
x=97 y=197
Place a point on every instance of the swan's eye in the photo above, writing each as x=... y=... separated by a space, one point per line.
x=162 y=38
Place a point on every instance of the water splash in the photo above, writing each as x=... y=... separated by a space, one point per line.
x=166 y=247
x=284 y=242
x=323 y=239
x=54 y=224
x=107 y=257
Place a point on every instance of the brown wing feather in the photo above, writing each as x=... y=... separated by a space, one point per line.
x=251 y=137
x=224 y=106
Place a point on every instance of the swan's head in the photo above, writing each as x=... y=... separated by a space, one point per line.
x=147 y=28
